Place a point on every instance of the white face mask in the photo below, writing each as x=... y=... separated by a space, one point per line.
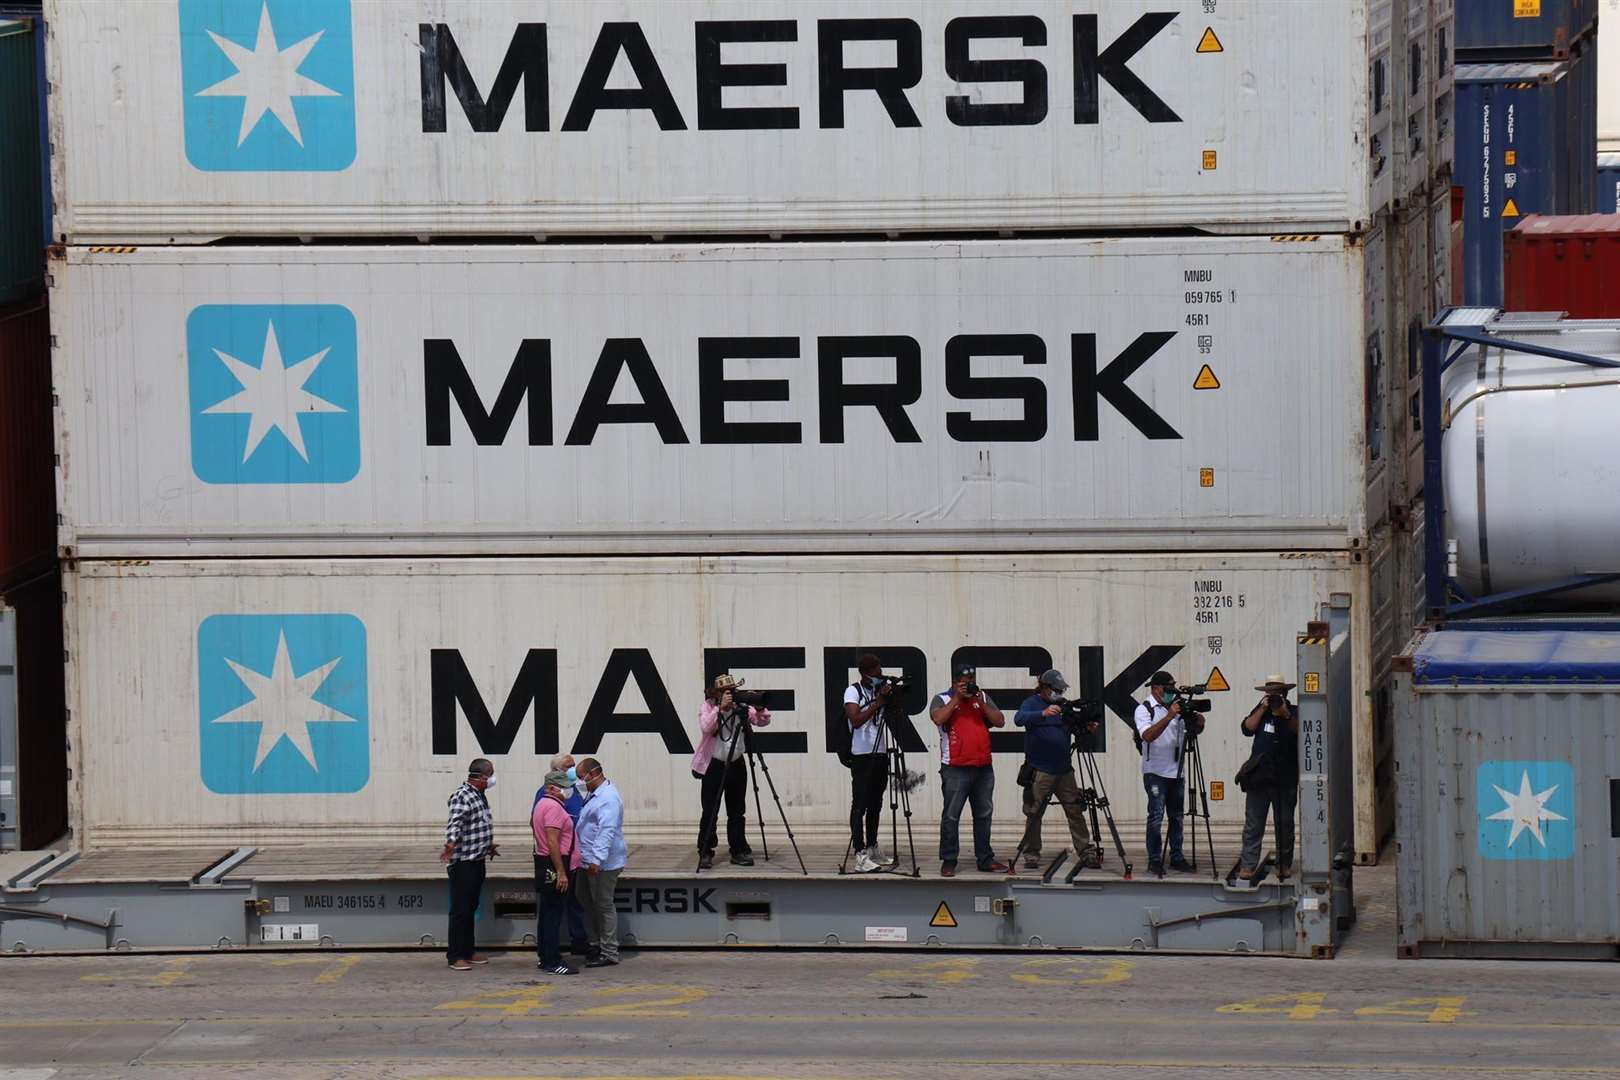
x=490 y=782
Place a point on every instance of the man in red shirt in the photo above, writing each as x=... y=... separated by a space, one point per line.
x=964 y=716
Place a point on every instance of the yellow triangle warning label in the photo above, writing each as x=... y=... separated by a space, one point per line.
x=1511 y=209
x=1216 y=680
x=1206 y=379
x=942 y=916
x=1209 y=43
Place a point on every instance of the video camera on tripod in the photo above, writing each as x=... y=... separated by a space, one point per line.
x=890 y=685
x=1190 y=701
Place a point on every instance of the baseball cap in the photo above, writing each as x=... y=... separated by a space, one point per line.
x=960 y=670
x=1162 y=678
x=1054 y=678
x=558 y=779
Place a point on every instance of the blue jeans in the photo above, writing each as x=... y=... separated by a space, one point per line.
x=974 y=785
x=1164 y=795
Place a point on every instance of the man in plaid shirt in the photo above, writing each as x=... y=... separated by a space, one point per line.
x=469 y=839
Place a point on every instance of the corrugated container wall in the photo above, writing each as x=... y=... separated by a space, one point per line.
x=964 y=396
x=1568 y=264
x=22 y=253
x=27 y=473
x=418 y=118
x=390 y=678
x=1514 y=136
x=1509 y=802
x=1608 y=178
x=24 y=9
x=1497 y=29
x=1424 y=74
x=1608 y=39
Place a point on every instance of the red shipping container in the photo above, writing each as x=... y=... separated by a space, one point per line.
x=27 y=452
x=1564 y=264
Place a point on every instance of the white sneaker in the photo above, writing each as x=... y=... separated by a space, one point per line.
x=877 y=857
x=864 y=863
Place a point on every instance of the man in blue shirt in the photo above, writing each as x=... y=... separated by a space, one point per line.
x=578 y=937
x=1050 y=767
x=602 y=856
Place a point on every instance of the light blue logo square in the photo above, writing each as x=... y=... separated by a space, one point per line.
x=1526 y=809
x=275 y=393
x=282 y=701
x=268 y=85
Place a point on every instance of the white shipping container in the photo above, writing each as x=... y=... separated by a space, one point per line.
x=293 y=701
x=506 y=117
x=1118 y=394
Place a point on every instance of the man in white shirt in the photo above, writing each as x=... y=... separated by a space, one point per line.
x=1161 y=726
x=868 y=761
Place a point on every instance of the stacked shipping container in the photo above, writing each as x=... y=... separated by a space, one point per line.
x=606 y=470
x=1527 y=124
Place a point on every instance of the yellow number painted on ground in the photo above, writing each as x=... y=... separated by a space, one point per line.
x=1073 y=971
x=520 y=1001
x=1306 y=1006
x=1433 y=1010
x=173 y=971
x=335 y=969
x=664 y=1006
x=944 y=972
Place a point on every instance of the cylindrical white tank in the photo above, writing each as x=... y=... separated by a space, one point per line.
x=1531 y=451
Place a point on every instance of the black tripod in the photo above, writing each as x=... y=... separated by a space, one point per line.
x=900 y=783
x=1093 y=797
x=712 y=813
x=1197 y=804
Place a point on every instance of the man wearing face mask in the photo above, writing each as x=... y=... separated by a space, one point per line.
x=1051 y=770
x=603 y=853
x=578 y=933
x=869 y=761
x=469 y=839
x=1161 y=726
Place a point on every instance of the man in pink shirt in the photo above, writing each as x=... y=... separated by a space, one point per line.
x=556 y=857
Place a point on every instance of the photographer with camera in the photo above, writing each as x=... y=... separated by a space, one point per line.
x=1048 y=770
x=718 y=764
x=1270 y=778
x=964 y=716
x=864 y=701
x=1162 y=727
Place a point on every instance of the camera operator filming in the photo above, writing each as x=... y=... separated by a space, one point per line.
x=964 y=716
x=1270 y=778
x=718 y=764
x=868 y=760
x=1049 y=770
x=1162 y=728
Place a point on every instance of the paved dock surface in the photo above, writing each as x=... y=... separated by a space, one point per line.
x=813 y=1015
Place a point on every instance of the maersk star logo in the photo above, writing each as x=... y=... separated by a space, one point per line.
x=274 y=394
x=268 y=85
x=1526 y=809
x=282 y=703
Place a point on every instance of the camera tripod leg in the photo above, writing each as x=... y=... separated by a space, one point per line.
x=765 y=768
x=1088 y=760
x=759 y=809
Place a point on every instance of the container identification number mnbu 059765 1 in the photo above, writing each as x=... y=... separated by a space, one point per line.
x=360 y=901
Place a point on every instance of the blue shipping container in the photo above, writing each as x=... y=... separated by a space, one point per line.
x=1523 y=28
x=1514 y=131
x=1608 y=178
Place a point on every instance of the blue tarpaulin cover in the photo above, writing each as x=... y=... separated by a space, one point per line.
x=1542 y=657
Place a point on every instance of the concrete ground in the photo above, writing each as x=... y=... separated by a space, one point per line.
x=814 y=1015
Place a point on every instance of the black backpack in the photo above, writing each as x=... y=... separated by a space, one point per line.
x=1136 y=736
x=840 y=740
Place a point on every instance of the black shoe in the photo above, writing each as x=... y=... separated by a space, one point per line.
x=1032 y=862
x=1156 y=869
x=1182 y=866
x=947 y=869
x=601 y=962
x=706 y=861
x=743 y=859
